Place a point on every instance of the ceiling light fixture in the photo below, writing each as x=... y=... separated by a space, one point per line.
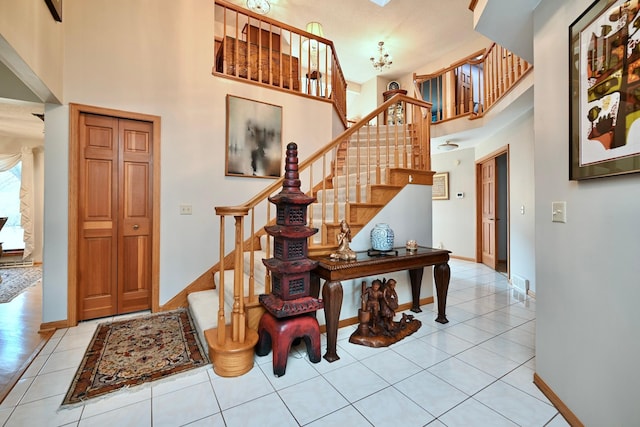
x=384 y=60
x=259 y=6
x=448 y=146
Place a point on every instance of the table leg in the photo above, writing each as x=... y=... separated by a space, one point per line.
x=332 y=297
x=415 y=276
x=442 y=274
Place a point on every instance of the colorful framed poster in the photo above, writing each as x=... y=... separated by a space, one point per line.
x=605 y=90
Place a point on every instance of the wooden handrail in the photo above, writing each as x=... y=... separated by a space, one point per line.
x=266 y=52
x=472 y=85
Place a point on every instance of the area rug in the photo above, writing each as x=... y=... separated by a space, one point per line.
x=136 y=351
x=16 y=279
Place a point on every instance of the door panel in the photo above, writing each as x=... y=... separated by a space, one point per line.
x=115 y=216
x=97 y=251
x=488 y=196
x=136 y=208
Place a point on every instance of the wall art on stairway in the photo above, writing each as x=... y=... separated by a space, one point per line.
x=254 y=138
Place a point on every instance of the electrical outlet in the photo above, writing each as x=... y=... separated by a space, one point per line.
x=185 y=210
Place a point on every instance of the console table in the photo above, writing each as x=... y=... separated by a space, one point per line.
x=334 y=271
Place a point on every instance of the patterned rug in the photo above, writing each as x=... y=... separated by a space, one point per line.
x=136 y=351
x=15 y=280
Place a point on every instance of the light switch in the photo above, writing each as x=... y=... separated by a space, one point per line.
x=559 y=211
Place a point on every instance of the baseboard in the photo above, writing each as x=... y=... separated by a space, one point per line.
x=531 y=293
x=52 y=326
x=569 y=416
x=462 y=258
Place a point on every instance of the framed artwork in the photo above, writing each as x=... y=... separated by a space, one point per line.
x=254 y=138
x=55 y=7
x=604 y=60
x=440 y=188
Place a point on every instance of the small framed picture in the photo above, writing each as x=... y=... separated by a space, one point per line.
x=440 y=188
x=254 y=138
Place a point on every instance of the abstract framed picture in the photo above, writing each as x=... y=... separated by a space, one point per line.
x=440 y=188
x=604 y=118
x=254 y=138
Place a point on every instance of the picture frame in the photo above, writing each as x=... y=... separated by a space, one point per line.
x=55 y=7
x=440 y=187
x=254 y=138
x=604 y=98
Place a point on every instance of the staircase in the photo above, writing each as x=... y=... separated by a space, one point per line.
x=353 y=177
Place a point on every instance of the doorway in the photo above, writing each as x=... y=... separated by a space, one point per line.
x=113 y=213
x=492 y=213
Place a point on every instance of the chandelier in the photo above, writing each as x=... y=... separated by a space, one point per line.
x=384 y=60
x=259 y=6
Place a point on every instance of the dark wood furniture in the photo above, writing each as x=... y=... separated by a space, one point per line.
x=258 y=62
x=334 y=271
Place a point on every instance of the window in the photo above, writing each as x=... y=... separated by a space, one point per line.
x=12 y=233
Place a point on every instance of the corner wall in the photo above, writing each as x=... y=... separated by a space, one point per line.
x=587 y=270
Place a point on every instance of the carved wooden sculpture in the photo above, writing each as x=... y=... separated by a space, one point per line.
x=377 y=327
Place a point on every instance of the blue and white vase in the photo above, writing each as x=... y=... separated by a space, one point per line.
x=382 y=237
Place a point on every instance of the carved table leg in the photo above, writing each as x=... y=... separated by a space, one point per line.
x=332 y=297
x=415 y=276
x=442 y=274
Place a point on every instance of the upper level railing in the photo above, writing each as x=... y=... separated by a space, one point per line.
x=471 y=86
x=252 y=47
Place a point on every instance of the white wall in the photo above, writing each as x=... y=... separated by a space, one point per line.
x=454 y=224
x=587 y=270
x=158 y=60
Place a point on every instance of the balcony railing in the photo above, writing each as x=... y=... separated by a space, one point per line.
x=471 y=86
x=264 y=51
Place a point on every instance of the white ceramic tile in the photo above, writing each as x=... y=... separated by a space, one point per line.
x=35 y=366
x=487 y=361
x=51 y=345
x=509 y=349
x=421 y=353
x=347 y=416
x=558 y=421
x=469 y=333
x=356 y=381
x=134 y=415
x=312 y=399
x=358 y=351
x=345 y=359
x=184 y=406
x=47 y=385
x=233 y=391
x=462 y=376
x=391 y=366
x=73 y=341
x=43 y=412
x=61 y=360
x=179 y=381
x=488 y=325
x=521 y=336
x=522 y=378
x=473 y=413
x=431 y=393
x=504 y=317
x=448 y=343
x=266 y=411
x=388 y=407
x=518 y=406
x=215 y=420
x=115 y=400
x=4 y=414
x=15 y=395
x=297 y=370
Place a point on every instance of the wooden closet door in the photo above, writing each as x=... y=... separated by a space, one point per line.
x=97 y=217
x=135 y=207
x=114 y=216
x=488 y=195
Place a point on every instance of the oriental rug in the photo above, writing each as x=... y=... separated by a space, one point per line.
x=16 y=279
x=136 y=351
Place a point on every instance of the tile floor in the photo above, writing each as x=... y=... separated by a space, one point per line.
x=476 y=370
